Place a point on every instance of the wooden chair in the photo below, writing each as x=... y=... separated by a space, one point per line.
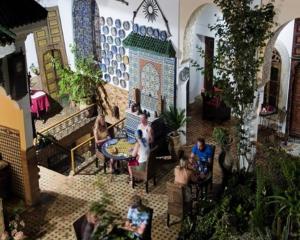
x=177 y=202
x=150 y=171
x=147 y=233
x=102 y=159
x=78 y=225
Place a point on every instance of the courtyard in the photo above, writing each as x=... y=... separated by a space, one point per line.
x=142 y=119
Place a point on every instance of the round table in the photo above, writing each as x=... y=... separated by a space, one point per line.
x=123 y=145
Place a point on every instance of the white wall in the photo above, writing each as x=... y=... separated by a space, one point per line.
x=284 y=45
x=123 y=12
x=286 y=36
x=65 y=10
x=198 y=24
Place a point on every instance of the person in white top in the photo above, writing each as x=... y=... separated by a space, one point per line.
x=146 y=129
x=141 y=153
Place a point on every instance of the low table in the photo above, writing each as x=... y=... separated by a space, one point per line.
x=118 y=148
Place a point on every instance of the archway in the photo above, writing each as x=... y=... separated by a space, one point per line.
x=198 y=36
x=284 y=41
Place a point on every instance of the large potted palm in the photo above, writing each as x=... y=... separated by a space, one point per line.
x=222 y=137
x=175 y=119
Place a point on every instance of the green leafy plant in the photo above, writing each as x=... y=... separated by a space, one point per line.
x=242 y=33
x=175 y=119
x=288 y=209
x=107 y=218
x=83 y=83
x=221 y=136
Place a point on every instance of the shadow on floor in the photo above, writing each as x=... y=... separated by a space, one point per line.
x=49 y=212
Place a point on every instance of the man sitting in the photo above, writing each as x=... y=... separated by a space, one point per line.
x=137 y=218
x=204 y=154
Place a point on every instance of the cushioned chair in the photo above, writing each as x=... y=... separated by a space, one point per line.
x=178 y=203
x=150 y=171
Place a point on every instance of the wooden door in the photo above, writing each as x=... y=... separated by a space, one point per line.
x=295 y=110
x=50 y=72
x=49 y=42
x=209 y=55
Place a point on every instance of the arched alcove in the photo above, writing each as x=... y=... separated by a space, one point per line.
x=198 y=35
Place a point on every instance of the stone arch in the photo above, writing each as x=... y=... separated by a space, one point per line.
x=197 y=29
x=190 y=29
x=268 y=55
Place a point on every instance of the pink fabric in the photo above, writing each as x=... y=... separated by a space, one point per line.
x=39 y=102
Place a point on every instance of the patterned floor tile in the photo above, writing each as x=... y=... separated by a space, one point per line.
x=66 y=198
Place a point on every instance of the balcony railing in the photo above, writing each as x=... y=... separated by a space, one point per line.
x=86 y=149
x=66 y=126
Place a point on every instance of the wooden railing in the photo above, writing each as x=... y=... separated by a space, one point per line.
x=91 y=144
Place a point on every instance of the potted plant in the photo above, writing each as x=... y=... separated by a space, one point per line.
x=175 y=119
x=82 y=84
x=222 y=138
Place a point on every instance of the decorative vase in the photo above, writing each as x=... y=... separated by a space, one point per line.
x=228 y=162
x=174 y=145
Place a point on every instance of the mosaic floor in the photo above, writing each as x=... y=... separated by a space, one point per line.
x=65 y=198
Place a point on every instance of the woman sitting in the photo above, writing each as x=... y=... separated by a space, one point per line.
x=141 y=153
x=101 y=136
x=182 y=173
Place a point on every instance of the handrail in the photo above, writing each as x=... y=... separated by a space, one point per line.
x=67 y=118
x=91 y=138
x=55 y=142
x=87 y=141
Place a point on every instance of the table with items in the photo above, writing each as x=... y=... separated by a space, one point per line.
x=118 y=148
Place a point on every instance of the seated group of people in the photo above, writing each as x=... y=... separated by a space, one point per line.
x=196 y=168
x=141 y=150
x=138 y=218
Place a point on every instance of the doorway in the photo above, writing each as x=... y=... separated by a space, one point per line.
x=50 y=71
x=295 y=107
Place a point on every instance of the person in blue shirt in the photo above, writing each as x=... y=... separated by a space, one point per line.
x=137 y=218
x=203 y=152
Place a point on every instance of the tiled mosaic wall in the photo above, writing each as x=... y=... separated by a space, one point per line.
x=86 y=27
x=149 y=65
x=11 y=152
x=114 y=57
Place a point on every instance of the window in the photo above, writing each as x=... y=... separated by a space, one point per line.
x=271 y=94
